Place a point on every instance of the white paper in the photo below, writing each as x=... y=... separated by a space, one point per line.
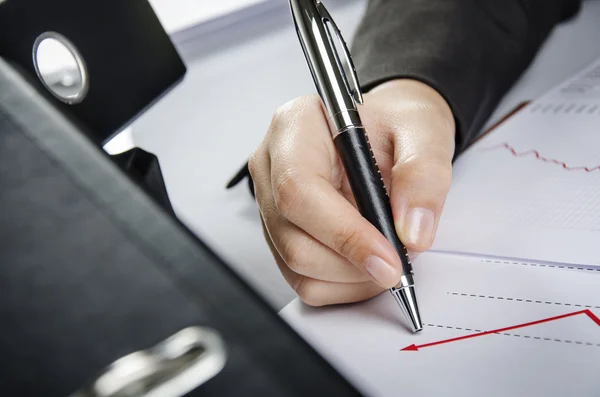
x=531 y=189
x=461 y=295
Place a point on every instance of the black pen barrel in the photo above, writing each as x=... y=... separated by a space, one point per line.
x=368 y=187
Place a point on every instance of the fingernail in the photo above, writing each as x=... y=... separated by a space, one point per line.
x=419 y=226
x=382 y=272
x=413 y=255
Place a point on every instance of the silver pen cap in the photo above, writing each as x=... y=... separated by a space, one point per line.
x=338 y=86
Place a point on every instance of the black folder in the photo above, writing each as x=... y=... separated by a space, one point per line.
x=130 y=59
x=93 y=269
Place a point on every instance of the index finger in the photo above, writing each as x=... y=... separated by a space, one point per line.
x=305 y=171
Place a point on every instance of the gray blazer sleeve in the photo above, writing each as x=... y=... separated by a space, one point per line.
x=470 y=51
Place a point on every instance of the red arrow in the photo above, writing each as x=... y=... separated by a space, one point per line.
x=587 y=312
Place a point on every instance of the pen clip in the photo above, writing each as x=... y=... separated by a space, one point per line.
x=331 y=28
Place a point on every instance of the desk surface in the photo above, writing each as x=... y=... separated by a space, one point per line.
x=204 y=130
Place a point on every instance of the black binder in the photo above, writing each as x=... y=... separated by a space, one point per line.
x=97 y=275
x=131 y=61
x=92 y=269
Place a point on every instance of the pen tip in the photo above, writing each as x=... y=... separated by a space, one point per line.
x=407 y=299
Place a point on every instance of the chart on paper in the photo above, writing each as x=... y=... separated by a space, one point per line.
x=492 y=328
x=504 y=330
x=533 y=185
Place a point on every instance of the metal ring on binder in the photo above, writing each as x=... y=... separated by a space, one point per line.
x=172 y=368
x=60 y=67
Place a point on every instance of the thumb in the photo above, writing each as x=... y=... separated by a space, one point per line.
x=422 y=171
x=418 y=192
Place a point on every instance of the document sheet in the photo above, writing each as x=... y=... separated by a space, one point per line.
x=492 y=328
x=494 y=325
x=531 y=188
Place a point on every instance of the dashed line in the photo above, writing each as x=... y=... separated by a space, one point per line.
x=522 y=300
x=595 y=269
x=521 y=335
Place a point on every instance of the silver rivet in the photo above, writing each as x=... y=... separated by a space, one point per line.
x=60 y=67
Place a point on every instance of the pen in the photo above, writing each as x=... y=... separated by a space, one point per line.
x=340 y=93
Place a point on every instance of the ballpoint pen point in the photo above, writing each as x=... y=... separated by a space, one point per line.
x=407 y=300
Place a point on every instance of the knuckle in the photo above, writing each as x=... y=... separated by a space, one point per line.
x=292 y=253
x=444 y=175
x=441 y=171
x=285 y=112
x=287 y=191
x=294 y=109
x=309 y=292
x=428 y=178
x=280 y=116
x=434 y=164
x=348 y=244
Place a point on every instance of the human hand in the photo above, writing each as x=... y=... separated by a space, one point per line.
x=327 y=252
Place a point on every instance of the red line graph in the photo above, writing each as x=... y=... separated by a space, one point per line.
x=586 y=312
x=538 y=156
